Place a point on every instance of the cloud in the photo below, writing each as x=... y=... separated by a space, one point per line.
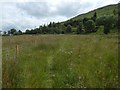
x=43 y=9
x=37 y=9
x=68 y=9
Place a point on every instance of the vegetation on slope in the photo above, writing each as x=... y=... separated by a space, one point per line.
x=103 y=11
x=82 y=24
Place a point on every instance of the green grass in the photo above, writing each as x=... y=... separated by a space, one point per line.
x=103 y=11
x=60 y=61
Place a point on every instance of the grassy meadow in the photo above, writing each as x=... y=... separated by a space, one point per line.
x=60 y=61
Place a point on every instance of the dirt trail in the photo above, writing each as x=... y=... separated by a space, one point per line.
x=49 y=82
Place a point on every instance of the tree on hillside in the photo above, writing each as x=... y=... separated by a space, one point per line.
x=63 y=28
x=79 y=29
x=53 y=24
x=38 y=30
x=27 y=31
x=13 y=31
x=19 y=32
x=57 y=30
x=75 y=23
x=85 y=20
x=33 y=31
x=108 y=23
x=90 y=26
x=44 y=31
x=50 y=25
x=4 y=33
x=9 y=32
x=69 y=29
x=94 y=17
x=100 y=21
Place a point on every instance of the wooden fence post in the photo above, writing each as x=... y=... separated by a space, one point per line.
x=17 y=51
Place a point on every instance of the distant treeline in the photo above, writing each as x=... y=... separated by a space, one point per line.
x=82 y=26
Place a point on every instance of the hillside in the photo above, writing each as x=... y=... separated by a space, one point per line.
x=106 y=10
x=109 y=12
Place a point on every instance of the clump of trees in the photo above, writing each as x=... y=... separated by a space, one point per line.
x=89 y=26
x=83 y=26
x=108 y=22
x=80 y=26
x=12 y=31
x=69 y=29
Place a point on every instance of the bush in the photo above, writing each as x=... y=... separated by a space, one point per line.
x=89 y=26
x=108 y=24
x=79 y=29
x=69 y=29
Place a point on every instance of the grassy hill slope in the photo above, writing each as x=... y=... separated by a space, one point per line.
x=106 y=10
x=110 y=10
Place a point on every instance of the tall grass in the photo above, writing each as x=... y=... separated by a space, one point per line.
x=66 y=61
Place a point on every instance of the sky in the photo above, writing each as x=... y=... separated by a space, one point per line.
x=28 y=14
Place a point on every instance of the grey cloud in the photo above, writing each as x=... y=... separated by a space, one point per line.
x=8 y=26
x=35 y=9
x=68 y=9
x=87 y=5
x=43 y=9
x=16 y=25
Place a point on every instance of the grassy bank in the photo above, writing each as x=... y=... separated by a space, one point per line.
x=84 y=61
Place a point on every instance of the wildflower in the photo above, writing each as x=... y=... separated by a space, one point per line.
x=79 y=77
x=53 y=75
x=67 y=84
x=70 y=68
x=67 y=75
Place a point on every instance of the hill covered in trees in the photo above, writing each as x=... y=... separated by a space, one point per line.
x=101 y=20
